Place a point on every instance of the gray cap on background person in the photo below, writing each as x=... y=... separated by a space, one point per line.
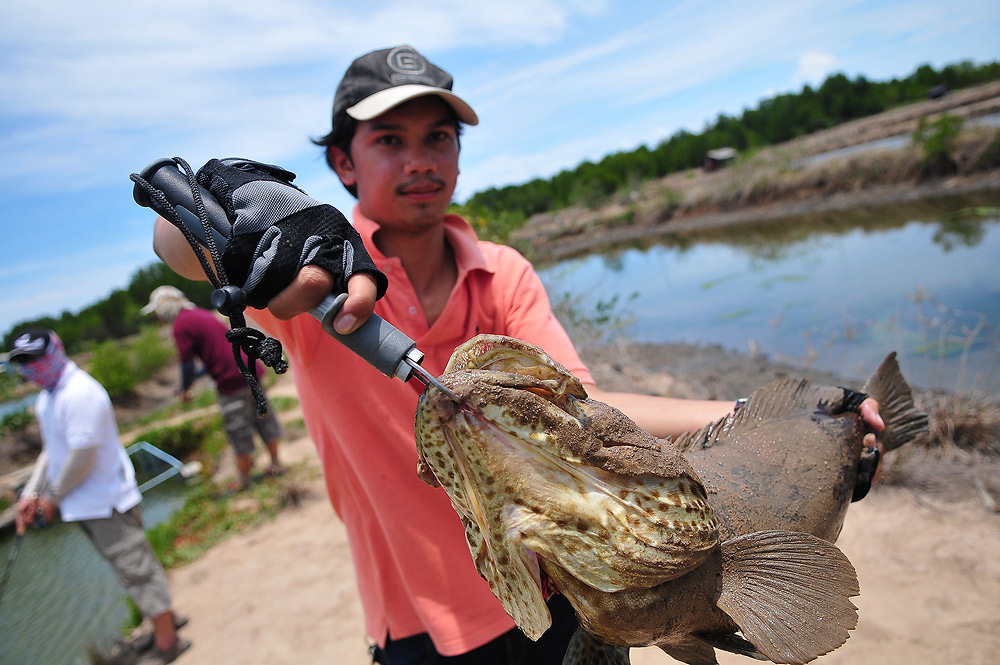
x=167 y=302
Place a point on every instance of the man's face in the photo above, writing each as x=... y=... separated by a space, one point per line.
x=405 y=164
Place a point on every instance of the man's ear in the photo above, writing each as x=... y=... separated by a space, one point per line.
x=342 y=164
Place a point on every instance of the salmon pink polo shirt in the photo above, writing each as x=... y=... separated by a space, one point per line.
x=414 y=570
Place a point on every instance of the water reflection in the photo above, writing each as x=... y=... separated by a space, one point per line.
x=965 y=230
x=834 y=291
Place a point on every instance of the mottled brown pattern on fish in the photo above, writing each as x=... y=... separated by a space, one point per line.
x=536 y=469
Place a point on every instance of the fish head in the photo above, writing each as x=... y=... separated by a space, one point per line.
x=536 y=469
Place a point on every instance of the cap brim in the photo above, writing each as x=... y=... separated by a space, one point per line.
x=148 y=309
x=18 y=356
x=375 y=105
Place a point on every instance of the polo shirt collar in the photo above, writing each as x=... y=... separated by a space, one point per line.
x=460 y=235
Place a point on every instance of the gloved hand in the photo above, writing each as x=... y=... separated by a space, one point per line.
x=277 y=229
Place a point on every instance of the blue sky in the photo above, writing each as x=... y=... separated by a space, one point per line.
x=93 y=91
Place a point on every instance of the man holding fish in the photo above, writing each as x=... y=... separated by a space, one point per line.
x=394 y=144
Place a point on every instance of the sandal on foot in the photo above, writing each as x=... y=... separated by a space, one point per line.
x=145 y=641
x=162 y=656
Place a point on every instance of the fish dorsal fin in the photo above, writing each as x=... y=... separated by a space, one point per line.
x=585 y=649
x=786 y=396
x=903 y=421
x=789 y=593
x=778 y=399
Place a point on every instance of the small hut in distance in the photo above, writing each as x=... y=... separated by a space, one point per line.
x=718 y=158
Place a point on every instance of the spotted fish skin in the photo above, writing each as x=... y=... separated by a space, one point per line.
x=648 y=539
x=537 y=471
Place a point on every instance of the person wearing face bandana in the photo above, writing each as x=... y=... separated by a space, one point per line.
x=85 y=474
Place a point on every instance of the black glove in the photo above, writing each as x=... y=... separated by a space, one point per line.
x=277 y=229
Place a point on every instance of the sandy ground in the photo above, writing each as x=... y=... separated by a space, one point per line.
x=927 y=561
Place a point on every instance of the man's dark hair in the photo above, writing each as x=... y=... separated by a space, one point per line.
x=343 y=133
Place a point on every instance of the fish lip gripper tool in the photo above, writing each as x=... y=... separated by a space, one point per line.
x=377 y=342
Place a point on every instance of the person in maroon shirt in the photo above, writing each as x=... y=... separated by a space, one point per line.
x=198 y=333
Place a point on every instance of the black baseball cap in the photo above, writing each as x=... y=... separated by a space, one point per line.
x=30 y=344
x=384 y=79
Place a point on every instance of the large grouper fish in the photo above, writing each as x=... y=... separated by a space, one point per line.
x=721 y=538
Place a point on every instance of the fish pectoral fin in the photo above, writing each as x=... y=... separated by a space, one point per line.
x=789 y=593
x=586 y=649
x=426 y=474
x=513 y=574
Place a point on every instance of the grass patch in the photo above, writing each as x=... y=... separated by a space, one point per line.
x=199 y=400
x=962 y=422
x=735 y=314
x=201 y=437
x=295 y=428
x=211 y=514
x=16 y=422
x=121 y=367
x=283 y=402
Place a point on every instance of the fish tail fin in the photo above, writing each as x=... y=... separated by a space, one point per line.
x=789 y=593
x=585 y=649
x=904 y=422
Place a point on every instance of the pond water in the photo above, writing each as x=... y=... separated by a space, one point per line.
x=7 y=408
x=62 y=597
x=834 y=292
x=888 y=143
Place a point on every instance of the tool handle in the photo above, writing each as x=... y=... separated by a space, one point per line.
x=381 y=344
x=164 y=175
x=377 y=342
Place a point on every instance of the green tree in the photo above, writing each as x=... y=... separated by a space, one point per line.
x=116 y=315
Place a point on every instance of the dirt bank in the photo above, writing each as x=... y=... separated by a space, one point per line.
x=787 y=180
